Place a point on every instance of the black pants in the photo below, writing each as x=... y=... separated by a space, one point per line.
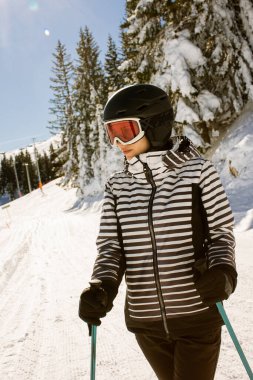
x=186 y=357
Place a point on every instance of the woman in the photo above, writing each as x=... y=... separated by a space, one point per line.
x=167 y=225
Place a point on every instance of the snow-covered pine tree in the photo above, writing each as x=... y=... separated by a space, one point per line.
x=105 y=160
x=244 y=18
x=89 y=91
x=139 y=37
x=95 y=184
x=56 y=163
x=102 y=167
x=201 y=54
x=63 y=119
x=113 y=76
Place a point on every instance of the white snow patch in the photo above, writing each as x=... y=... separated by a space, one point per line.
x=246 y=223
x=208 y=104
x=234 y=155
x=185 y=113
x=193 y=136
x=180 y=54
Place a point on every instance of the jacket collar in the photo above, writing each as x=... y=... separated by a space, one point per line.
x=182 y=150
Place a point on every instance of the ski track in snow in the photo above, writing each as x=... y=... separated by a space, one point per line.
x=46 y=260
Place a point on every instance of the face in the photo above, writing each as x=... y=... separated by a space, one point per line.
x=132 y=150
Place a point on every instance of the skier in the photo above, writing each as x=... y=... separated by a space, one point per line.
x=167 y=225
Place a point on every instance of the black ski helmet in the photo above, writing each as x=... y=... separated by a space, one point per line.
x=149 y=103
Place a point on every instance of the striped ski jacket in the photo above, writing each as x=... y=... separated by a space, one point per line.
x=171 y=209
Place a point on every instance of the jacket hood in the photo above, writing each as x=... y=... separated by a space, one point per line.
x=182 y=150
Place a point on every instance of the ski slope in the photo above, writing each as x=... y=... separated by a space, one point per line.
x=46 y=260
x=47 y=250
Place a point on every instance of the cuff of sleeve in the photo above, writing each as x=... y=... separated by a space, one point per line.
x=229 y=272
x=111 y=289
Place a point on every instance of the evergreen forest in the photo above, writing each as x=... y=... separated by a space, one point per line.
x=19 y=173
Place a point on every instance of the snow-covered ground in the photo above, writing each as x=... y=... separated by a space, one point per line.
x=47 y=250
x=47 y=253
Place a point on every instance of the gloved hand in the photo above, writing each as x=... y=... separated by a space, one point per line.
x=215 y=284
x=96 y=301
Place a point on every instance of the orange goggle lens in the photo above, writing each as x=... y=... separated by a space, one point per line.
x=124 y=130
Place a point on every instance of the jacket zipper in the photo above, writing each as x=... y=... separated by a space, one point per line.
x=150 y=179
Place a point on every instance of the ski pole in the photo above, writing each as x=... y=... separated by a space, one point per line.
x=93 y=352
x=94 y=284
x=234 y=339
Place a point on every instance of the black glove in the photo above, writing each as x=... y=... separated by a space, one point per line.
x=96 y=301
x=215 y=284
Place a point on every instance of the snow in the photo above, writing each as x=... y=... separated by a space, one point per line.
x=48 y=249
x=144 y=3
x=217 y=52
x=185 y=113
x=41 y=146
x=236 y=150
x=179 y=54
x=247 y=18
x=193 y=135
x=202 y=17
x=143 y=33
x=222 y=12
x=208 y=104
x=247 y=74
x=47 y=254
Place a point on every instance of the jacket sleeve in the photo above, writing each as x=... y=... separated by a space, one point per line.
x=110 y=263
x=220 y=221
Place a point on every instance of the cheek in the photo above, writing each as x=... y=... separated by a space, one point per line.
x=145 y=146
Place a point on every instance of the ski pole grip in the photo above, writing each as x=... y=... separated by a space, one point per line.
x=102 y=297
x=95 y=284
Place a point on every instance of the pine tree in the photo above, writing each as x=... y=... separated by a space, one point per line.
x=63 y=74
x=105 y=160
x=19 y=160
x=8 y=180
x=139 y=36
x=3 y=174
x=113 y=76
x=64 y=120
x=202 y=56
x=109 y=159
x=99 y=164
x=56 y=163
x=89 y=91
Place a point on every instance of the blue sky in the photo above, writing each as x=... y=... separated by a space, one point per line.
x=29 y=31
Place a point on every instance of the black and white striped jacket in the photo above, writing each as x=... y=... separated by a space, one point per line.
x=163 y=200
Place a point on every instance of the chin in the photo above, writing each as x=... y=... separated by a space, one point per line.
x=130 y=156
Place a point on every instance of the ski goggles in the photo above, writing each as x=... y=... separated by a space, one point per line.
x=124 y=131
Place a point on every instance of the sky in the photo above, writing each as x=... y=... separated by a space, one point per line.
x=29 y=31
